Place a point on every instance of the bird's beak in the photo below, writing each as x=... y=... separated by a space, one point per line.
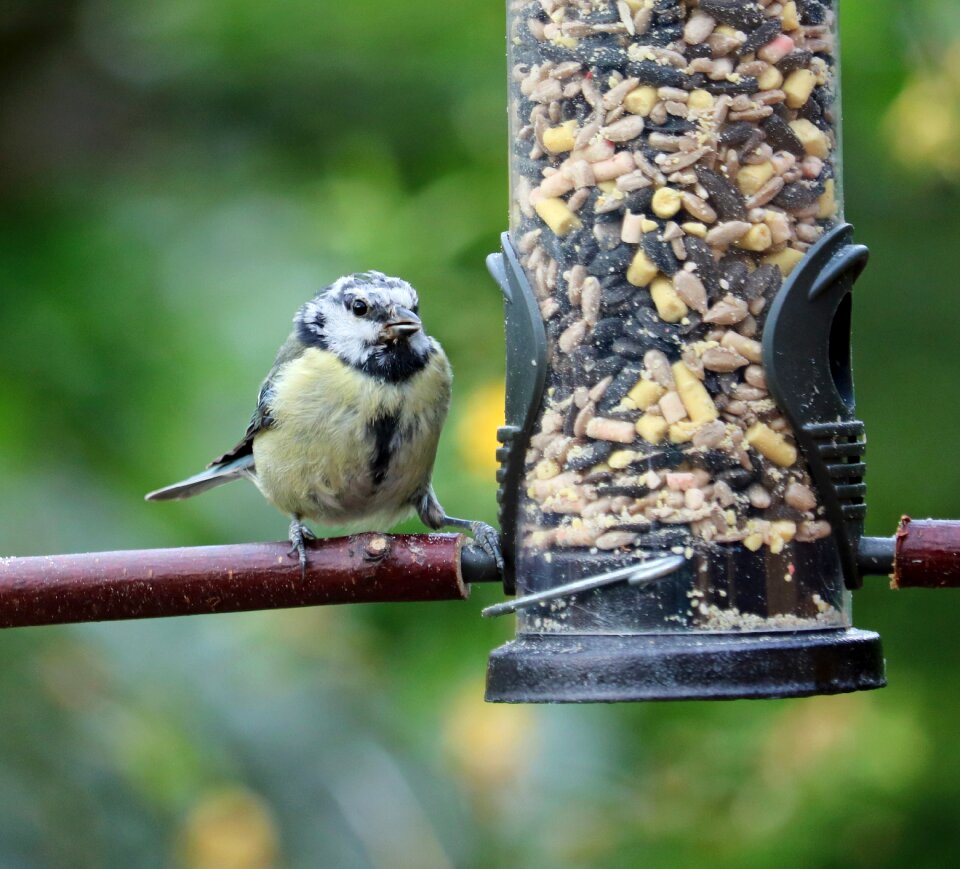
x=402 y=324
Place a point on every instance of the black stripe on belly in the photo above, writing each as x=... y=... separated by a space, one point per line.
x=383 y=429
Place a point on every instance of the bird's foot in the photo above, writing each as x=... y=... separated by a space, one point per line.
x=486 y=536
x=299 y=535
x=488 y=539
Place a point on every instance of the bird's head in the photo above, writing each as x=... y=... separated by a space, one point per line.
x=370 y=321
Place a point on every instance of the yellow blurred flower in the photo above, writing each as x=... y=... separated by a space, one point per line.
x=489 y=745
x=230 y=828
x=923 y=122
x=477 y=429
x=808 y=736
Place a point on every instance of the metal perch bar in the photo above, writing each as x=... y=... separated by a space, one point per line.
x=152 y=583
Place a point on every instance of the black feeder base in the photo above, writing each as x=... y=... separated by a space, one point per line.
x=594 y=668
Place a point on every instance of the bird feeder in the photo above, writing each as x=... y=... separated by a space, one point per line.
x=681 y=470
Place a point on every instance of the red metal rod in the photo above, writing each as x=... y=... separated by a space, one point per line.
x=149 y=583
x=928 y=554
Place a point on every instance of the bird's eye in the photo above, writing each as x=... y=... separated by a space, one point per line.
x=416 y=308
x=359 y=307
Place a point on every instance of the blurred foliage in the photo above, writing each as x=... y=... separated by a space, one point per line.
x=175 y=178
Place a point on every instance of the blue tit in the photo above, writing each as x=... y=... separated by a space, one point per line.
x=347 y=422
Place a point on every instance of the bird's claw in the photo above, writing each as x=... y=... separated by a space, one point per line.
x=488 y=539
x=299 y=535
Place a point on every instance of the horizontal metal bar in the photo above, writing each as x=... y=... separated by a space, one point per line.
x=641 y=573
x=875 y=555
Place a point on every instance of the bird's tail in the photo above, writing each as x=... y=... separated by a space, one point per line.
x=213 y=476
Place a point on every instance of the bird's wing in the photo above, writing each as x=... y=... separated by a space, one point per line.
x=261 y=419
x=291 y=349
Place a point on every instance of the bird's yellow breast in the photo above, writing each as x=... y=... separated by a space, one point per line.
x=318 y=457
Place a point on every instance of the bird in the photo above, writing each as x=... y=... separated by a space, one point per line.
x=348 y=419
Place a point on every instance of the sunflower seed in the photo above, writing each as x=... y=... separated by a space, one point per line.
x=727 y=201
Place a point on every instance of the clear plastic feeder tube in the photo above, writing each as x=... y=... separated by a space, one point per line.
x=672 y=161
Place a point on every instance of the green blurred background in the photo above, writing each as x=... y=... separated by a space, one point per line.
x=175 y=178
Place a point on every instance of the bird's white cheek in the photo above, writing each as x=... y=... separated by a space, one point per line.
x=352 y=341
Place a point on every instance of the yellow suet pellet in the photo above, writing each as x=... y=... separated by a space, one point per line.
x=648 y=225
x=547 y=470
x=670 y=307
x=666 y=202
x=641 y=270
x=789 y=17
x=693 y=394
x=779 y=224
x=798 y=86
x=682 y=432
x=646 y=393
x=813 y=139
x=751 y=178
x=561 y=138
x=786 y=260
x=784 y=528
x=641 y=100
x=694 y=228
x=700 y=100
x=820 y=70
x=652 y=428
x=770 y=79
x=827 y=203
x=620 y=459
x=555 y=214
x=757 y=238
x=771 y=444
